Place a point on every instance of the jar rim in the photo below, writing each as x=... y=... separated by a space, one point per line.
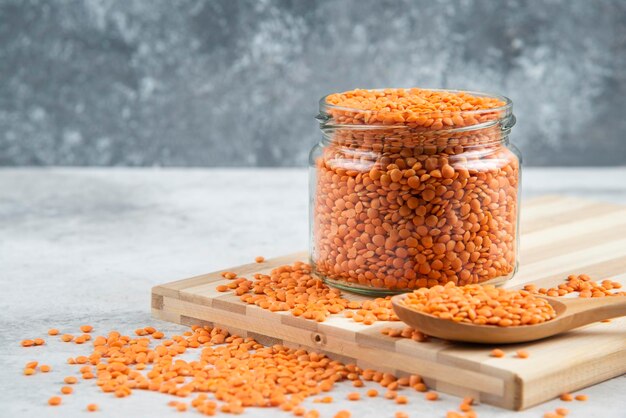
x=325 y=107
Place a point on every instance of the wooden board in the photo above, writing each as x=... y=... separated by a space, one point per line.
x=560 y=236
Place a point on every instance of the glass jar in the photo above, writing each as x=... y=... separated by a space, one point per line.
x=402 y=203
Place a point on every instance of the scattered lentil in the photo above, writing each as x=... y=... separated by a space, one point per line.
x=70 y=380
x=54 y=401
x=86 y=328
x=81 y=360
x=581 y=284
x=465 y=407
x=92 y=407
x=44 y=368
x=581 y=397
x=53 y=331
x=293 y=288
x=391 y=394
x=358 y=383
x=259 y=259
x=522 y=354
x=420 y=387
x=238 y=371
x=432 y=396
x=468 y=400
x=354 y=396
x=406 y=332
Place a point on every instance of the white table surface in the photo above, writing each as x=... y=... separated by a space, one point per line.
x=86 y=245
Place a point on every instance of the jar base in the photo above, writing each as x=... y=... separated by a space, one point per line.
x=377 y=292
x=361 y=290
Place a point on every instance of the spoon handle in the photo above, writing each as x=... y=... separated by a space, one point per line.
x=585 y=311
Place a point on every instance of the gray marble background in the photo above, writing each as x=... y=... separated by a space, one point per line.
x=236 y=82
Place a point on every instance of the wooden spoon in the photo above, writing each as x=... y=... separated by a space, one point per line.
x=571 y=313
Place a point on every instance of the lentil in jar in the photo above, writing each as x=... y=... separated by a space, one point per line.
x=414 y=188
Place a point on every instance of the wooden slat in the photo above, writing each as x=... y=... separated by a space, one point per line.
x=560 y=236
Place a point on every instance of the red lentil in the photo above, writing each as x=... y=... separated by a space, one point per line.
x=44 y=368
x=581 y=284
x=432 y=396
x=567 y=397
x=473 y=304
x=53 y=331
x=465 y=407
x=92 y=407
x=70 y=380
x=54 y=401
x=581 y=397
x=354 y=396
x=81 y=360
x=420 y=387
x=522 y=354
x=406 y=332
x=259 y=259
x=402 y=204
x=293 y=288
x=391 y=394
x=116 y=361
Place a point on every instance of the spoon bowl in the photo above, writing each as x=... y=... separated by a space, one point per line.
x=570 y=313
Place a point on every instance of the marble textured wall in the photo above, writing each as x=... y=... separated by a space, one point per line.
x=236 y=82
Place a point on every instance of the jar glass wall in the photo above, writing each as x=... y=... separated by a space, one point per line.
x=400 y=201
